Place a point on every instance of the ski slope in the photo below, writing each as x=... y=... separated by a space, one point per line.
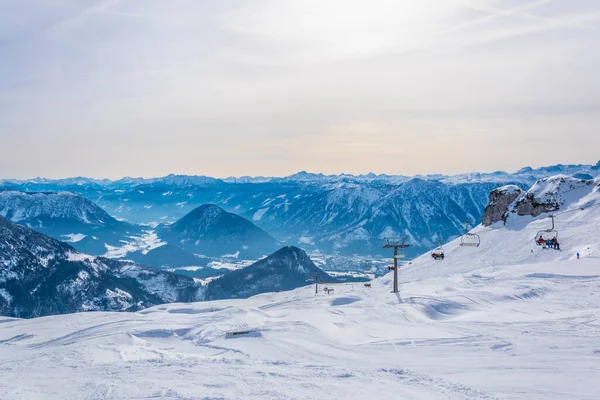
x=507 y=320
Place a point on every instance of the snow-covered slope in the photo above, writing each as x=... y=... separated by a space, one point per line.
x=575 y=204
x=507 y=320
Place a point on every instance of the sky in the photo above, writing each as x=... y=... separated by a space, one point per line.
x=268 y=87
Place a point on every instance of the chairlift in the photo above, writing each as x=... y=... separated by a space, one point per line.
x=469 y=239
x=438 y=252
x=548 y=233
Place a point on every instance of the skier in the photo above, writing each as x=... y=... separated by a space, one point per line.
x=578 y=255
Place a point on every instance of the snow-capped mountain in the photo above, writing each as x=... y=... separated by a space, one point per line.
x=42 y=276
x=286 y=269
x=176 y=180
x=210 y=230
x=31 y=207
x=67 y=217
x=353 y=218
x=344 y=214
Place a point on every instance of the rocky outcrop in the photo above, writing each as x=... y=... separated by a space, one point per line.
x=500 y=201
x=547 y=195
x=529 y=205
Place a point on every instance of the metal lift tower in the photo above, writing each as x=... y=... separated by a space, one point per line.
x=398 y=244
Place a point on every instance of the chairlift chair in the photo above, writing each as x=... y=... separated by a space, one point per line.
x=547 y=233
x=469 y=239
x=438 y=252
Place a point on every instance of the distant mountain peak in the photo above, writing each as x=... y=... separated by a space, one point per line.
x=211 y=210
x=210 y=230
x=22 y=206
x=286 y=269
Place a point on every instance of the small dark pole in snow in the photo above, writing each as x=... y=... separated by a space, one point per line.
x=315 y=279
x=396 y=244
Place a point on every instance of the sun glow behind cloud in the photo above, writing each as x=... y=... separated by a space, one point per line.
x=271 y=87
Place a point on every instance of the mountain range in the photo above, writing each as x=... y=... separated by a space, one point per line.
x=40 y=276
x=339 y=214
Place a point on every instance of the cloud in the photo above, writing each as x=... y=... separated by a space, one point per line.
x=268 y=87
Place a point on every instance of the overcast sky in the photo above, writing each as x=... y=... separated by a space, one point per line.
x=271 y=87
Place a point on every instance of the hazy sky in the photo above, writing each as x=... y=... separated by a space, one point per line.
x=271 y=87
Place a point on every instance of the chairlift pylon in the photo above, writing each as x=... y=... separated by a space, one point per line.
x=469 y=239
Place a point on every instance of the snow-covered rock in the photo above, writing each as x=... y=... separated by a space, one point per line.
x=500 y=201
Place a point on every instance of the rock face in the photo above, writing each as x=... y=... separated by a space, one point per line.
x=286 y=269
x=43 y=276
x=547 y=194
x=500 y=201
x=530 y=205
x=209 y=230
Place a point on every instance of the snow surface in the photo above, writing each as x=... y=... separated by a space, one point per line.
x=149 y=240
x=74 y=237
x=259 y=214
x=507 y=320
